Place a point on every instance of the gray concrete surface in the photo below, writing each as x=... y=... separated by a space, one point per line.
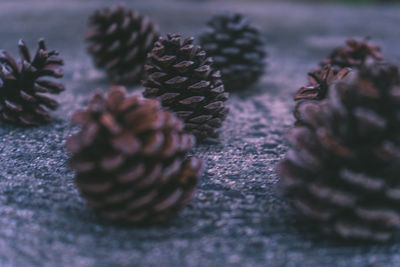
x=237 y=217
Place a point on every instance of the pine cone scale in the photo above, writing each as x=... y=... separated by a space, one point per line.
x=131 y=175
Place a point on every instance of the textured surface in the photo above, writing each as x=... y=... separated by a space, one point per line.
x=237 y=217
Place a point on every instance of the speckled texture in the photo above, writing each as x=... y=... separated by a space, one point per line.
x=237 y=217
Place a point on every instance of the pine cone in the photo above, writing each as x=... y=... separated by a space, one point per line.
x=130 y=159
x=119 y=41
x=23 y=86
x=320 y=80
x=237 y=49
x=181 y=77
x=353 y=55
x=343 y=166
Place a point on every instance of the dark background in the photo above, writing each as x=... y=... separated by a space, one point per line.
x=237 y=217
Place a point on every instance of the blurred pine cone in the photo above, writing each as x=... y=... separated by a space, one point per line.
x=353 y=55
x=119 y=41
x=130 y=161
x=23 y=86
x=344 y=163
x=181 y=77
x=237 y=49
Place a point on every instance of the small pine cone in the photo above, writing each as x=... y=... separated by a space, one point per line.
x=320 y=80
x=344 y=163
x=130 y=161
x=119 y=41
x=237 y=49
x=181 y=77
x=353 y=55
x=23 y=87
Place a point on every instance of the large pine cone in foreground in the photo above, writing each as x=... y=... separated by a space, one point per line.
x=119 y=41
x=180 y=75
x=343 y=168
x=354 y=54
x=130 y=161
x=237 y=49
x=23 y=85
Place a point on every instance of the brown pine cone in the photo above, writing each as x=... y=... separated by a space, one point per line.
x=343 y=166
x=119 y=41
x=353 y=55
x=130 y=160
x=237 y=49
x=320 y=80
x=23 y=87
x=181 y=77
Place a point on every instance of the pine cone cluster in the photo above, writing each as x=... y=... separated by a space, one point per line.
x=180 y=75
x=24 y=87
x=130 y=160
x=119 y=41
x=353 y=55
x=343 y=166
x=237 y=49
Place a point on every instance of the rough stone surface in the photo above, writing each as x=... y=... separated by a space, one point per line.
x=237 y=217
